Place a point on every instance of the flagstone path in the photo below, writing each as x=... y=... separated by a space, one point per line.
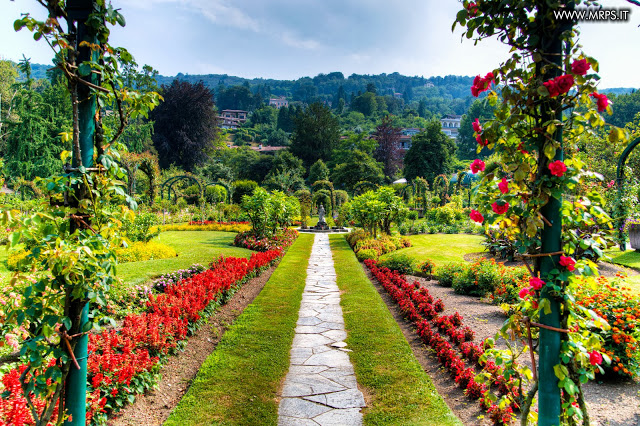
x=320 y=388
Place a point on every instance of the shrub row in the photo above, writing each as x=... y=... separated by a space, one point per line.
x=484 y=277
x=284 y=238
x=208 y=226
x=419 y=306
x=126 y=361
x=367 y=247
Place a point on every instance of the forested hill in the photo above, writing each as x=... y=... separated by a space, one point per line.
x=327 y=86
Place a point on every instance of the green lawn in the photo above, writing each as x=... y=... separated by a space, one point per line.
x=401 y=392
x=192 y=247
x=442 y=248
x=239 y=381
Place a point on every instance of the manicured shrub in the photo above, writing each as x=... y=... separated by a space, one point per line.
x=446 y=273
x=398 y=262
x=365 y=254
x=427 y=267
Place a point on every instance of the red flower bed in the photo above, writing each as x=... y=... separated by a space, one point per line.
x=419 y=306
x=284 y=238
x=125 y=361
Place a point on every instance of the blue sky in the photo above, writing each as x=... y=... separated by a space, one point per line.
x=288 y=39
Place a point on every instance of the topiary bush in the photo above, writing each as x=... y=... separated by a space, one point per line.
x=366 y=254
x=399 y=262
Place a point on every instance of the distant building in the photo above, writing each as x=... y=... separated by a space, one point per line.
x=268 y=149
x=279 y=102
x=232 y=118
x=451 y=125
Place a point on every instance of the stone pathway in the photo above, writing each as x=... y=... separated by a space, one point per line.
x=320 y=388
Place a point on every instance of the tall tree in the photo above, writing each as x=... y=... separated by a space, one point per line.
x=431 y=154
x=387 y=152
x=236 y=97
x=316 y=134
x=185 y=125
x=358 y=167
x=318 y=171
x=8 y=90
x=467 y=144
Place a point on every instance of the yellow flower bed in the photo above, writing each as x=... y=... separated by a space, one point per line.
x=235 y=227
x=140 y=251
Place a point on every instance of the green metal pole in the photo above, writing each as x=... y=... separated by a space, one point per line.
x=622 y=211
x=549 y=398
x=76 y=386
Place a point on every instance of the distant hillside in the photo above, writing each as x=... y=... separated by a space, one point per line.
x=325 y=86
x=619 y=90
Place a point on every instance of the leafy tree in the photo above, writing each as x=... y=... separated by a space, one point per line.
x=286 y=117
x=242 y=188
x=625 y=108
x=431 y=154
x=8 y=90
x=236 y=97
x=353 y=142
x=318 y=171
x=185 y=125
x=467 y=144
x=366 y=104
x=214 y=171
x=278 y=137
x=387 y=151
x=316 y=134
x=358 y=167
x=265 y=115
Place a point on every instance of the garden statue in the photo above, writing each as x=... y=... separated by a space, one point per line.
x=321 y=214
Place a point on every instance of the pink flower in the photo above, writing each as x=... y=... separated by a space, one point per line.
x=536 y=283
x=524 y=293
x=481 y=84
x=595 y=358
x=580 y=66
x=477 y=166
x=557 y=168
x=568 y=263
x=500 y=208
x=476 y=216
x=476 y=126
x=503 y=186
x=603 y=101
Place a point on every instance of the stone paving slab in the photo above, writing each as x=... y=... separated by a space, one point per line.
x=321 y=387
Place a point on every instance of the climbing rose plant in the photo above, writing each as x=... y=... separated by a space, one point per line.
x=544 y=103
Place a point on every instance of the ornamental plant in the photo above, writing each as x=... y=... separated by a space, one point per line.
x=73 y=235
x=549 y=101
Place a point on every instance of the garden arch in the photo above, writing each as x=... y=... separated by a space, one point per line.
x=169 y=183
x=363 y=186
x=621 y=212
x=146 y=163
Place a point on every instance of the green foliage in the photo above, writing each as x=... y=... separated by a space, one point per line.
x=427 y=268
x=242 y=188
x=215 y=194
x=140 y=251
x=269 y=212
x=446 y=274
x=378 y=210
x=399 y=262
x=141 y=228
x=316 y=134
x=358 y=167
x=467 y=145
x=430 y=155
x=318 y=171
x=366 y=254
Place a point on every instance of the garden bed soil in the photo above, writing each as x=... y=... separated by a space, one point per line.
x=611 y=402
x=154 y=407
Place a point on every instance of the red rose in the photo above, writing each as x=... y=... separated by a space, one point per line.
x=476 y=126
x=500 y=208
x=603 y=101
x=503 y=186
x=552 y=87
x=482 y=142
x=477 y=166
x=521 y=148
x=557 y=168
x=568 y=263
x=565 y=83
x=476 y=216
x=580 y=66
x=595 y=358
x=536 y=283
x=524 y=293
x=472 y=8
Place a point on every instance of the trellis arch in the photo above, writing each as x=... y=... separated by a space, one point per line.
x=364 y=185
x=147 y=163
x=168 y=185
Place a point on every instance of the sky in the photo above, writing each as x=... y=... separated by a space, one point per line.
x=289 y=39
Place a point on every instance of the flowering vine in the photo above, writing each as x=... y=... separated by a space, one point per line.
x=548 y=102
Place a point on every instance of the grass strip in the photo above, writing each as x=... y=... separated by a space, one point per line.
x=192 y=247
x=401 y=392
x=239 y=381
x=441 y=248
